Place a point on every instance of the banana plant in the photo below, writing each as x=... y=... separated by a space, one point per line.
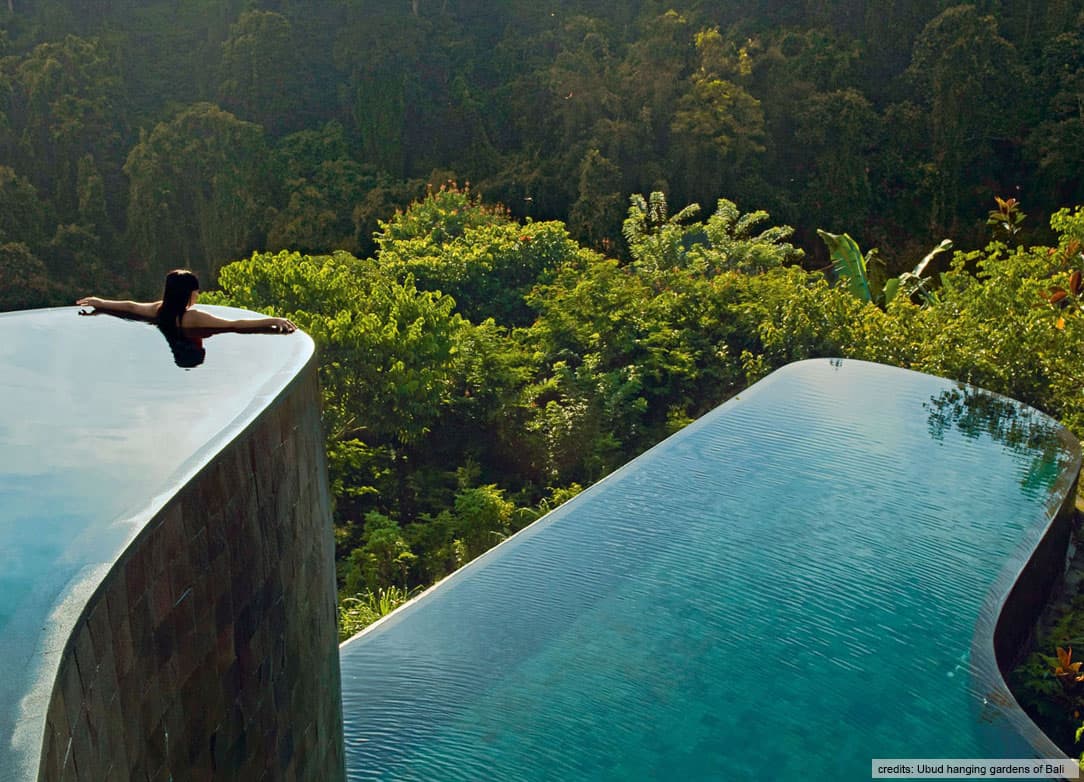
x=850 y=265
x=913 y=283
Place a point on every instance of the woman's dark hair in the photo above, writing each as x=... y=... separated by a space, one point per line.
x=175 y=296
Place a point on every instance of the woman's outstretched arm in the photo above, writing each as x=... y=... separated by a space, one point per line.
x=147 y=310
x=204 y=320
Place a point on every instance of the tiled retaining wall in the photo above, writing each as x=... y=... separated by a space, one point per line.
x=1037 y=581
x=210 y=650
x=1010 y=625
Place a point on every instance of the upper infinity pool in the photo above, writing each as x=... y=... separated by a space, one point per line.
x=803 y=580
x=99 y=428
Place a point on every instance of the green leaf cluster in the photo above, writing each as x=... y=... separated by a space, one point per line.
x=451 y=425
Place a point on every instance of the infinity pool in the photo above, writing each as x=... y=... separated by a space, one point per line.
x=99 y=428
x=803 y=580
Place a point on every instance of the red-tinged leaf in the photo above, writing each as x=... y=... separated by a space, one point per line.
x=1057 y=294
x=1074 y=282
x=1071 y=251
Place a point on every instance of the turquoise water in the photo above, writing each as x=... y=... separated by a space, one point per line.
x=99 y=427
x=790 y=586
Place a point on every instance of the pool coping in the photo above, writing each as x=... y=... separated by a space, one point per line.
x=26 y=744
x=1020 y=593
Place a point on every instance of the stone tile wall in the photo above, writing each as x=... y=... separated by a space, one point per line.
x=1034 y=585
x=210 y=650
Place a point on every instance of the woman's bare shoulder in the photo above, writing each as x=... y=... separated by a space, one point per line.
x=198 y=319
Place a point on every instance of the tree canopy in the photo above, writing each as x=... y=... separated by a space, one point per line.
x=155 y=137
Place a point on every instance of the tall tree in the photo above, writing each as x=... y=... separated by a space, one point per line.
x=200 y=187
x=264 y=76
x=718 y=128
x=64 y=104
x=24 y=282
x=836 y=132
x=1058 y=141
x=595 y=215
x=968 y=76
x=396 y=89
x=324 y=188
x=22 y=215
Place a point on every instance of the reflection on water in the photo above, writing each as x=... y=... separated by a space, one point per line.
x=188 y=352
x=979 y=414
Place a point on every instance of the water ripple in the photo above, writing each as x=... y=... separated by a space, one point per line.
x=788 y=587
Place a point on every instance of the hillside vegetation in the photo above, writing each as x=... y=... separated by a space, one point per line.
x=142 y=135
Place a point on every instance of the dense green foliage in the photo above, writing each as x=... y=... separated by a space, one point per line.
x=138 y=136
x=1041 y=683
x=450 y=427
x=356 y=613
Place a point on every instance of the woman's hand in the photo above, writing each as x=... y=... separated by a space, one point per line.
x=283 y=325
x=89 y=301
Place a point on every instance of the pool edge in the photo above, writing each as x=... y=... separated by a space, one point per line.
x=1014 y=605
x=138 y=666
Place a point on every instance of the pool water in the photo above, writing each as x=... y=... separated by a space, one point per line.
x=790 y=586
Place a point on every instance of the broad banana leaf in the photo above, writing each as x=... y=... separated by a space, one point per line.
x=946 y=244
x=848 y=262
x=892 y=287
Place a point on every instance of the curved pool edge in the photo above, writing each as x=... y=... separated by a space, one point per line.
x=207 y=644
x=1014 y=605
x=213 y=650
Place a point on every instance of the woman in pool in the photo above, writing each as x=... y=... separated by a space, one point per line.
x=176 y=309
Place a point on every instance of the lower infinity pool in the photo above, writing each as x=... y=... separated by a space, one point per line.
x=801 y=581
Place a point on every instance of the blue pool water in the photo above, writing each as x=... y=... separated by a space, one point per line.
x=788 y=588
x=99 y=427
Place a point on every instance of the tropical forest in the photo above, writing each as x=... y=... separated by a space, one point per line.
x=533 y=239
